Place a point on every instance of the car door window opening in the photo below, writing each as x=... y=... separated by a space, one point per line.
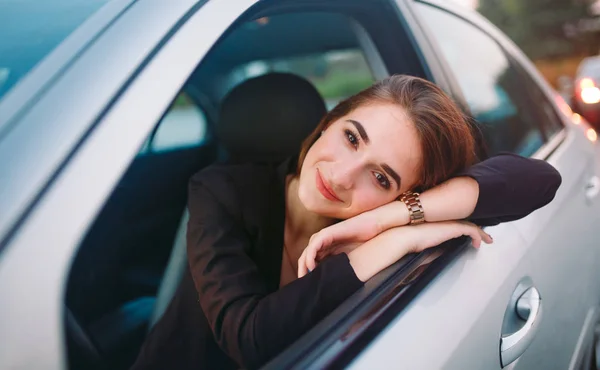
x=150 y=197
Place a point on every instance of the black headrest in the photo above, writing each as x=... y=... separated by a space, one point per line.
x=265 y=119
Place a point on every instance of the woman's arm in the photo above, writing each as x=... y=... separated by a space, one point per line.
x=455 y=199
x=393 y=244
x=502 y=188
x=250 y=323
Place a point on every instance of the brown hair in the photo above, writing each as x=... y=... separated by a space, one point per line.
x=446 y=134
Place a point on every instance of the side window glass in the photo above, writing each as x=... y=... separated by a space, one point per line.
x=183 y=126
x=551 y=122
x=336 y=74
x=492 y=87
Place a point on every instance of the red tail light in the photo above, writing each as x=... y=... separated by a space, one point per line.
x=590 y=93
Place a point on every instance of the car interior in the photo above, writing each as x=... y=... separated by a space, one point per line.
x=130 y=261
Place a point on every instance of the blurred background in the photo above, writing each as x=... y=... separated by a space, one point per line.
x=562 y=38
x=555 y=34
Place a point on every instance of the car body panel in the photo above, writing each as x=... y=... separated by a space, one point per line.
x=42 y=75
x=47 y=133
x=69 y=205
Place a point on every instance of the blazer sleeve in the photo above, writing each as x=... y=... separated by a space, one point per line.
x=250 y=324
x=511 y=187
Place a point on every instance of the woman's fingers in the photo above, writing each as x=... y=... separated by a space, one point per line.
x=302 y=269
x=314 y=246
x=318 y=246
x=487 y=238
x=477 y=235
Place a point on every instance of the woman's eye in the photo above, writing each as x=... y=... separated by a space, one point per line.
x=352 y=138
x=382 y=180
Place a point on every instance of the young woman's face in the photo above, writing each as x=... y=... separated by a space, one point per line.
x=362 y=161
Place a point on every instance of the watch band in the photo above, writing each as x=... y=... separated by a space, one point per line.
x=415 y=209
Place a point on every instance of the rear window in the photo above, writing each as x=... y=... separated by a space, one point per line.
x=31 y=29
x=336 y=74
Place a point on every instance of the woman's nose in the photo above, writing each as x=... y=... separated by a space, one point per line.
x=345 y=175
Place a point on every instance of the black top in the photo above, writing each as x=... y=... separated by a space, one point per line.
x=228 y=311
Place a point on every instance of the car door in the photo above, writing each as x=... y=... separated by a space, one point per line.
x=529 y=300
x=76 y=142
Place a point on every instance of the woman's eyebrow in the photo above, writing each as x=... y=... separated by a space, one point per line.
x=392 y=173
x=365 y=138
x=361 y=131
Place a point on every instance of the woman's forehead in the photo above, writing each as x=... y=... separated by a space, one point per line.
x=387 y=126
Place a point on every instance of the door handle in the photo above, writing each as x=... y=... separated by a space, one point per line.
x=528 y=308
x=592 y=188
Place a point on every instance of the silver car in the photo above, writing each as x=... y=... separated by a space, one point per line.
x=108 y=107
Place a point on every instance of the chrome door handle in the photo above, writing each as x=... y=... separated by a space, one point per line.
x=529 y=308
x=592 y=188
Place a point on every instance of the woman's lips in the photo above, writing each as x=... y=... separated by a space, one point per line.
x=325 y=189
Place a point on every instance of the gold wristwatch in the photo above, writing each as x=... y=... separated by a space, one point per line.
x=415 y=209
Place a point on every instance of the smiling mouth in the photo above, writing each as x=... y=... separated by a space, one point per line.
x=325 y=189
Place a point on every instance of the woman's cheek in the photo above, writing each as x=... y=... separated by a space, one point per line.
x=369 y=199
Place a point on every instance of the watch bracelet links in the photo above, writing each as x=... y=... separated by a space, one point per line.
x=415 y=209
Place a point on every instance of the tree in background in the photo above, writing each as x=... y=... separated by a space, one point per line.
x=538 y=26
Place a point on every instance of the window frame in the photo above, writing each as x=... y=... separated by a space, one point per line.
x=148 y=146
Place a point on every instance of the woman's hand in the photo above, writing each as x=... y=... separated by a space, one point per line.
x=427 y=235
x=304 y=267
x=348 y=234
x=439 y=204
x=388 y=247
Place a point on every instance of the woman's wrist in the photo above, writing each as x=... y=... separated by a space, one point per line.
x=454 y=199
x=393 y=214
x=416 y=214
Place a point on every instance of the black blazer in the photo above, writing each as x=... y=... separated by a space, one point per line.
x=228 y=311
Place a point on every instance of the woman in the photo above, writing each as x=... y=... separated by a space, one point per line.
x=255 y=231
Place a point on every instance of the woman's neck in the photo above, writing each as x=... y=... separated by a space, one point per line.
x=300 y=223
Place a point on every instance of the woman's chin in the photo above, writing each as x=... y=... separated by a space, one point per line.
x=321 y=208
x=317 y=206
